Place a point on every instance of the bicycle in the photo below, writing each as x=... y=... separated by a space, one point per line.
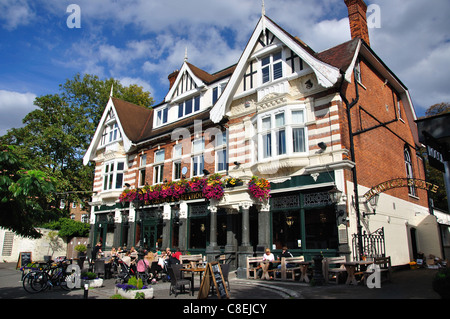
x=47 y=277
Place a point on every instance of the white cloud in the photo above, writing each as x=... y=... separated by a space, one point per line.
x=13 y=108
x=15 y=13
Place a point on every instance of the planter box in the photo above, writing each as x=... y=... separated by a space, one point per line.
x=93 y=283
x=130 y=294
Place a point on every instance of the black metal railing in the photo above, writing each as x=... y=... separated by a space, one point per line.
x=373 y=245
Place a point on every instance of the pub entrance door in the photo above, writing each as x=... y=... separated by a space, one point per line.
x=151 y=234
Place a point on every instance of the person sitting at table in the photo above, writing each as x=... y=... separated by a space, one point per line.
x=177 y=254
x=267 y=261
x=133 y=253
x=286 y=254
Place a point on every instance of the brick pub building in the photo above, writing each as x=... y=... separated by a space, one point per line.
x=311 y=124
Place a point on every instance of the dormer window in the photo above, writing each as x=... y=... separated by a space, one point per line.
x=272 y=67
x=111 y=134
x=189 y=106
x=161 y=116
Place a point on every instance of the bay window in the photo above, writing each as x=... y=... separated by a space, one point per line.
x=281 y=132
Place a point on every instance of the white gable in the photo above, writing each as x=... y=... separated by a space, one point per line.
x=266 y=39
x=185 y=84
x=110 y=122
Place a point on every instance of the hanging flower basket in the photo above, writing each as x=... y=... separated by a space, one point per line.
x=233 y=182
x=259 y=188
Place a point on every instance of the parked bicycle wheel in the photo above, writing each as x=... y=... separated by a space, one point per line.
x=35 y=282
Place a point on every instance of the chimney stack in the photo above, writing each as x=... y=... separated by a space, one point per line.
x=172 y=77
x=358 y=19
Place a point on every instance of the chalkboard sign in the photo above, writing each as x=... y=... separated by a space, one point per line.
x=213 y=272
x=24 y=259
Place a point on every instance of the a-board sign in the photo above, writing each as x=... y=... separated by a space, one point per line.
x=24 y=259
x=213 y=272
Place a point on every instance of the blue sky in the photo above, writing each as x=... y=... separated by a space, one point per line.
x=143 y=41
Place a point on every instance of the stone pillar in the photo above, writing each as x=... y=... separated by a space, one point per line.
x=182 y=231
x=245 y=250
x=263 y=229
x=117 y=227
x=231 y=246
x=213 y=249
x=167 y=225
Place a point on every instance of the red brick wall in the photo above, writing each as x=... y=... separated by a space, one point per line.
x=380 y=152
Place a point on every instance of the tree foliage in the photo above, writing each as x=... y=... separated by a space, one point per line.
x=26 y=194
x=58 y=132
x=69 y=228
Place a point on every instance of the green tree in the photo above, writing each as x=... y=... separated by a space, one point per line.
x=57 y=134
x=69 y=228
x=26 y=195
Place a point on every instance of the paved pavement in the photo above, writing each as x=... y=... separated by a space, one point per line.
x=406 y=284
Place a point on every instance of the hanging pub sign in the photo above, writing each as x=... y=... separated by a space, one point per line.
x=400 y=182
x=435 y=152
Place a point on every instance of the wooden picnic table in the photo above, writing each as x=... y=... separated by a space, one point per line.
x=351 y=267
x=265 y=268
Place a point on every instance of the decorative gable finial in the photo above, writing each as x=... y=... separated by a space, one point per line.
x=263 y=17
x=185 y=55
x=112 y=90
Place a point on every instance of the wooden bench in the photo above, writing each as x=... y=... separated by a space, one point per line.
x=329 y=271
x=191 y=260
x=253 y=265
x=291 y=270
x=384 y=264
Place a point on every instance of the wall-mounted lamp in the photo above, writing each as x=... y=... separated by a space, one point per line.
x=373 y=202
x=237 y=163
x=206 y=172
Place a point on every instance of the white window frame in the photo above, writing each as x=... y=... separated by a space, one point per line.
x=111 y=172
x=198 y=156
x=288 y=128
x=176 y=156
x=271 y=65
x=111 y=134
x=182 y=105
x=220 y=144
x=158 y=167
x=162 y=116
x=142 y=169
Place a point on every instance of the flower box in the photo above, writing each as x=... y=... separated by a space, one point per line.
x=131 y=294
x=93 y=283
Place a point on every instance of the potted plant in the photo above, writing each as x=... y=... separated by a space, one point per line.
x=135 y=289
x=441 y=283
x=91 y=279
x=81 y=249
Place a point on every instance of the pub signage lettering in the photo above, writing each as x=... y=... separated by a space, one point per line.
x=171 y=199
x=400 y=182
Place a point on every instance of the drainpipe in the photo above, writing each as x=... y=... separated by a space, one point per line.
x=349 y=106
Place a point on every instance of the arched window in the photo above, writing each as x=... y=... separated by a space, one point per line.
x=409 y=171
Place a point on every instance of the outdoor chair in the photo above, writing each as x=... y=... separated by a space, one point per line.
x=225 y=271
x=99 y=268
x=333 y=272
x=176 y=280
